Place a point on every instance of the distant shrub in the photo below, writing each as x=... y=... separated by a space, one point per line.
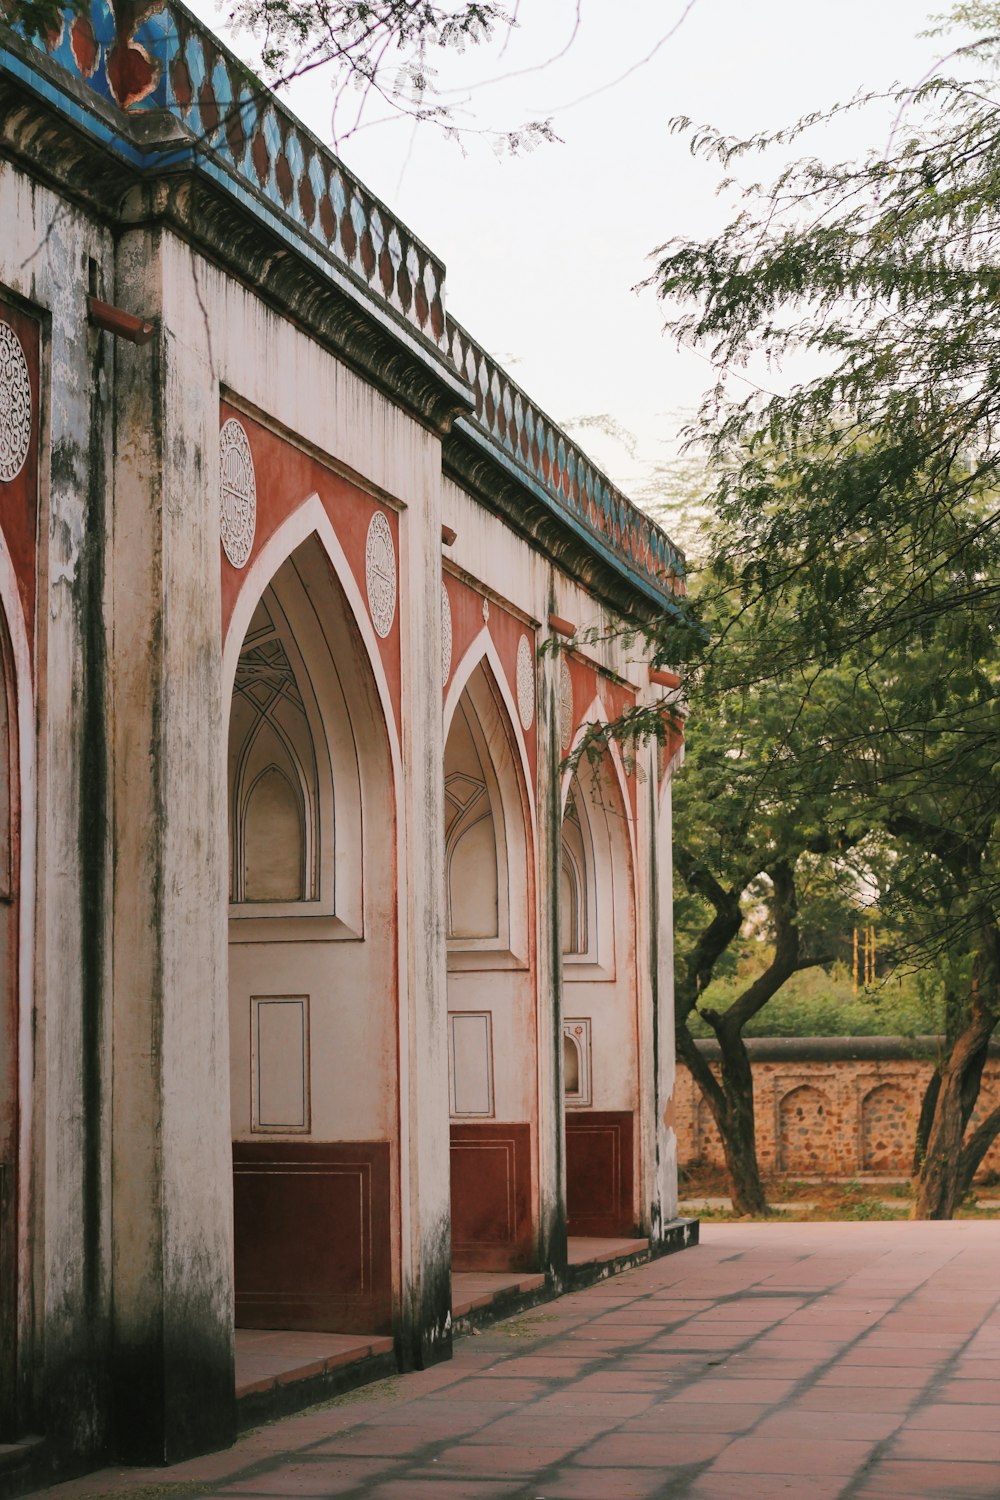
x=817 y=1003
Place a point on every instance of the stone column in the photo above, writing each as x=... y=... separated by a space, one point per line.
x=662 y=969
x=551 y=1123
x=171 y=1164
x=423 y=995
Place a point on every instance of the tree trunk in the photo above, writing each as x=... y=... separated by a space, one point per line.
x=739 y=1137
x=927 y=1107
x=975 y=1149
x=938 y=1186
x=731 y=1103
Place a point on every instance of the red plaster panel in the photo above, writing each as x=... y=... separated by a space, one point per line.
x=589 y=684
x=505 y=631
x=599 y=1172
x=312 y=1236
x=491 y=1197
x=19 y=496
x=286 y=477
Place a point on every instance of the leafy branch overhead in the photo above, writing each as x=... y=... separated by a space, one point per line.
x=384 y=50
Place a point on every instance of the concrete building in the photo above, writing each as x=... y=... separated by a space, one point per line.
x=322 y=975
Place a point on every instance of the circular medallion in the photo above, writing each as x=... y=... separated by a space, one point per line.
x=445 y=635
x=525 y=682
x=380 y=573
x=237 y=493
x=15 y=405
x=565 y=704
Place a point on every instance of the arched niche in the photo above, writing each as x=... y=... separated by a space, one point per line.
x=486 y=844
x=886 y=1129
x=805 y=1127
x=313 y=959
x=595 y=873
x=580 y=863
x=296 y=748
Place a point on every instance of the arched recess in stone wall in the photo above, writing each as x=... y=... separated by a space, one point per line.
x=17 y=1011
x=804 y=1131
x=599 y=998
x=13 y=1263
x=489 y=897
x=313 y=945
x=887 y=1130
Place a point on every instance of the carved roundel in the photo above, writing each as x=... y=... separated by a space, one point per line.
x=380 y=573
x=565 y=704
x=446 y=642
x=525 y=682
x=15 y=405
x=237 y=493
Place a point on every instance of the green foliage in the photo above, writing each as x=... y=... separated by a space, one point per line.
x=817 y=1002
x=840 y=648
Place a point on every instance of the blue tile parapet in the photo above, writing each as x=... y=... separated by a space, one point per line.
x=553 y=460
x=145 y=56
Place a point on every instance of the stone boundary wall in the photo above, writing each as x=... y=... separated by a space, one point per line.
x=839 y=1105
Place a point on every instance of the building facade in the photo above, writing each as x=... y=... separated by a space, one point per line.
x=322 y=974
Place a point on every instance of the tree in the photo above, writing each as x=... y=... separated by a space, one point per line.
x=756 y=837
x=859 y=512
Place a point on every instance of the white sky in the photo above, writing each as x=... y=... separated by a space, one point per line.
x=543 y=250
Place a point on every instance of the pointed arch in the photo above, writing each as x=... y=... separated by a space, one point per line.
x=310 y=522
x=17 y=685
x=309 y=518
x=482 y=650
x=488 y=813
x=597 y=714
x=318 y=1025
x=606 y=847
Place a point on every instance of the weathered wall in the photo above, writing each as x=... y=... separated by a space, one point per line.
x=138 y=977
x=844 y=1115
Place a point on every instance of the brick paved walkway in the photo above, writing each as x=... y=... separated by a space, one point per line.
x=811 y=1361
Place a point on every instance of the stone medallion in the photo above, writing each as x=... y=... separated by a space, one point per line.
x=380 y=573
x=446 y=635
x=15 y=405
x=525 y=682
x=237 y=493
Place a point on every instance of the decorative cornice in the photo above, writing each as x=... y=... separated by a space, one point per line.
x=138 y=111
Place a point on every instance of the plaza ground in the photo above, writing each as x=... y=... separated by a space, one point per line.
x=704 y=1192
x=823 y=1361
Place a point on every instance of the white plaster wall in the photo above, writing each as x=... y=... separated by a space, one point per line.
x=352 y=1036
x=270 y=365
x=44 y=254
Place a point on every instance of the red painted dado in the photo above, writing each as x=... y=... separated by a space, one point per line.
x=491 y=1197
x=588 y=684
x=505 y=630
x=19 y=495
x=287 y=477
x=312 y=1235
x=599 y=1166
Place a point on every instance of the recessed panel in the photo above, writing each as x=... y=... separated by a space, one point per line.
x=280 y=1062
x=471 y=1063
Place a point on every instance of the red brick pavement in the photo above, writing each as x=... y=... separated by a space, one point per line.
x=798 y=1361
